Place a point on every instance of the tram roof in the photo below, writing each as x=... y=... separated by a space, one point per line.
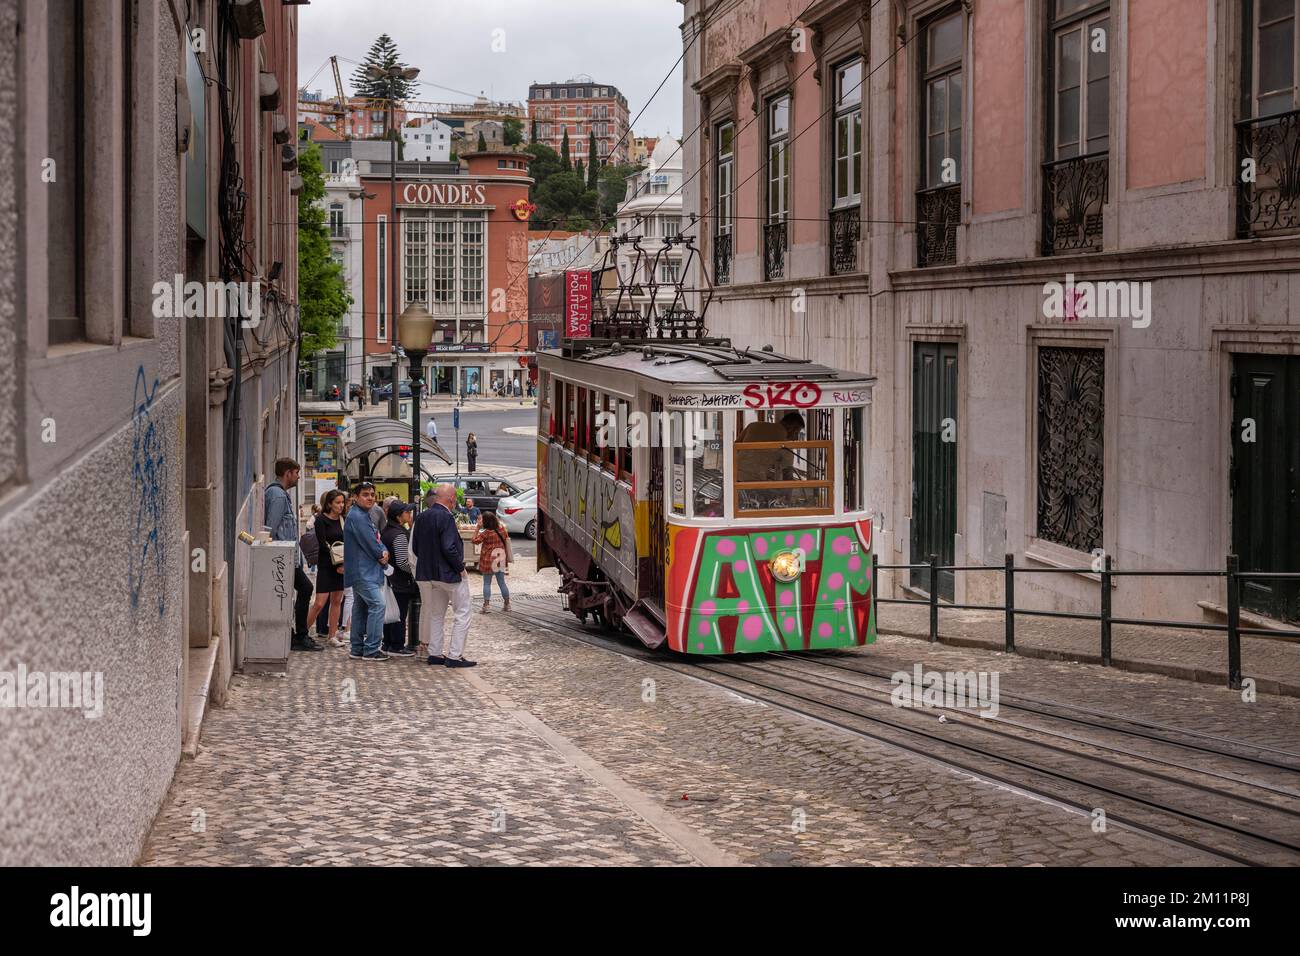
x=700 y=362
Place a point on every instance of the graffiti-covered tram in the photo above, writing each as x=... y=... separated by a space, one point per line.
x=706 y=497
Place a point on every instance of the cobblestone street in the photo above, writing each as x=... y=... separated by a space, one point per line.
x=553 y=752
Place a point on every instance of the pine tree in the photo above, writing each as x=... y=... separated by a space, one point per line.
x=533 y=137
x=591 y=158
x=565 y=165
x=577 y=169
x=383 y=54
x=482 y=143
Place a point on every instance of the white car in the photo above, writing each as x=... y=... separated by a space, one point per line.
x=518 y=513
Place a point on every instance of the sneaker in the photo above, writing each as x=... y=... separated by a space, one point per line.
x=460 y=662
x=484 y=608
x=357 y=656
x=436 y=659
x=338 y=642
x=304 y=644
x=376 y=656
x=400 y=652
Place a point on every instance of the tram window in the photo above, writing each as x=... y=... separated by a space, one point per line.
x=581 y=442
x=707 y=464
x=784 y=464
x=570 y=415
x=608 y=451
x=624 y=451
x=593 y=405
x=853 y=500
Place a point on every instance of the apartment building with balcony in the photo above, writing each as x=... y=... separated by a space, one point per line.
x=1064 y=234
x=581 y=106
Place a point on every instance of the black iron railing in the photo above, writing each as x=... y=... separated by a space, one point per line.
x=1231 y=573
x=846 y=229
x=1074 y=192
x=938 y=212
x=774 y=241
x=1268 y=175
x=722 y=258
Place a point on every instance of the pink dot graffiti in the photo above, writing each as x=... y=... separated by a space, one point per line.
x=824 y=630
x=760 y=546
x=788 y=624
x=806 y=542
x=835 y=581
x=726 y=547
x=707 y=608
x=787 y=597
x=742 y=606
x=752 y=627
x=741 y=567
x=841 y=545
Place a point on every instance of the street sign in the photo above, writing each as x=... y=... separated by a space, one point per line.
x=455 y=418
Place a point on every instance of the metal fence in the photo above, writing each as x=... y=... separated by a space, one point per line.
x=1231 y=572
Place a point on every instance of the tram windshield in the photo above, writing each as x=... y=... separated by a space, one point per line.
x=784 y=462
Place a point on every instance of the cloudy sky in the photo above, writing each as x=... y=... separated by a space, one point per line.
x=630 y=44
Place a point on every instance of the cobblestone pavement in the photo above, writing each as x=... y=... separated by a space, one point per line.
x=1274 y=664
x=554 y=752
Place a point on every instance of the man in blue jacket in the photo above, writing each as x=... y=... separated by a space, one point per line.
x=440 y=575
x=364 y=557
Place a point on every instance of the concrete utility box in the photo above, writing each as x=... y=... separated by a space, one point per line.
x=270 y=606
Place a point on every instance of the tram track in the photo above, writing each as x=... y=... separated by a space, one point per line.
x=1233 y=821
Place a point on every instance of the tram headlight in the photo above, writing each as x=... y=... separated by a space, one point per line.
x=786 y=566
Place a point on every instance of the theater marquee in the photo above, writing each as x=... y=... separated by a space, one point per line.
x=444 y=194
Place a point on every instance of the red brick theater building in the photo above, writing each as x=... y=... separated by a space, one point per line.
x=462 y=251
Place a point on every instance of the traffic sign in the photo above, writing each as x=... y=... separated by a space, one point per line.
x=455 y=418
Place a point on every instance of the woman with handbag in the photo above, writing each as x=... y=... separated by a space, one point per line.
x=493 y=559
x=329 y=570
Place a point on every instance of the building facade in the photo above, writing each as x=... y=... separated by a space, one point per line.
x=1064 y=237
x=426 y=140
x=651 y=213
x=462 y=251
x=581 y=106
x=147 y=425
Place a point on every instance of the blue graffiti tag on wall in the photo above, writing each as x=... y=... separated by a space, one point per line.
x=148 y=493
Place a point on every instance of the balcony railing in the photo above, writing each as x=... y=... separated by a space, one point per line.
x=774 y=241
x=938 y=212
x=846 y=229
x=722 y=258
x=1074 y=192
x=340 y=232
x=1268 y=187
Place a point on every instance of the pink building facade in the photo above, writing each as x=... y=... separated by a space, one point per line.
x=1063 y=235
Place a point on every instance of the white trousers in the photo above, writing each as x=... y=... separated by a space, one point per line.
x=434 y=598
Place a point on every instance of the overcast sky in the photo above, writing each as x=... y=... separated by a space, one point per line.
x=630 y=44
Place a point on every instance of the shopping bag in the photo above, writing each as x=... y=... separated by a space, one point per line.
x=392 y=613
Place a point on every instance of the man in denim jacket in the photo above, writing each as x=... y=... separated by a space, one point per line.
x=364 y=557
x=282 y=519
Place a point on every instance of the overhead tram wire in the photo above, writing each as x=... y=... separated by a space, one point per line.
x=754 y=119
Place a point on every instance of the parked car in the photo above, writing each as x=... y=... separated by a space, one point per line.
x=518 y=513
x=385 y=392
x=486 y=490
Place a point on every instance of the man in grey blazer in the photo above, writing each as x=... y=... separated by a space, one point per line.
x=442 y=579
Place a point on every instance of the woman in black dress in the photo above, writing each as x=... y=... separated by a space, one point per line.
x=329 y=576
x=471 y=450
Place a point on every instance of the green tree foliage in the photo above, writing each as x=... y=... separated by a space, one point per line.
x=533 y=137
x=591 y=158
x=514 y=131
x=612 y=187
x=582 y=173
x=322 y=293
x=482 y=143
x=564 y=198
x=383 y=54
x=564 y=152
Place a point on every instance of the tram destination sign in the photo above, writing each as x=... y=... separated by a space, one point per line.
x=772 y=395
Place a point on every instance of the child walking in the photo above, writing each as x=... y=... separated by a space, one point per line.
x=494 y=558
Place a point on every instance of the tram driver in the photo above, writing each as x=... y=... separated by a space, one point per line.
x=773 y=464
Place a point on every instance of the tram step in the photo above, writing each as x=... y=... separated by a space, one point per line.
x=646 y=621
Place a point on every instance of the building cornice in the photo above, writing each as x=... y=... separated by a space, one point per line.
x=776 y=47
x=1220 y=258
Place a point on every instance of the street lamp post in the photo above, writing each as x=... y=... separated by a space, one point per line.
x=414 y=332
x=392 y=73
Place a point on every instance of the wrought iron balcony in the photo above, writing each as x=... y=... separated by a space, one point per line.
x=846 y=229
x=774 y=241
x=722 y=258
x=1074 y=192
x=1269 y=203
x=939 y=213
